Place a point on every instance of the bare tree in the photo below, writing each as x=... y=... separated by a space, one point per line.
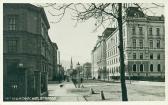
x=105 y=14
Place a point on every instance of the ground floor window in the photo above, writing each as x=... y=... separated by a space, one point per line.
x=134 y=67
x=158 y=67
x=151 y=67
x=141 y=68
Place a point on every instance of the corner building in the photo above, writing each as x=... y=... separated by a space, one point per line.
x=144 y=46
x=27 y=51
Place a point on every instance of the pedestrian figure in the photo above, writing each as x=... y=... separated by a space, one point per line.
x=81 y=80
x=74 y=82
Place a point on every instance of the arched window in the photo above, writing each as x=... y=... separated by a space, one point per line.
x=117 y=69
x=151 y=67
x=158 y=67
x=134 y=67
x=141 y=68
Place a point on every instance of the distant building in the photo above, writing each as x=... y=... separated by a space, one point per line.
x=99 y=55
x=71 y=70
x=54 y=72
x=59 y=75
x=86 y=71
x=143 y=41
x=28 y=53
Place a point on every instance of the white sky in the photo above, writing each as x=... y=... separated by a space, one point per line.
x=76 y=42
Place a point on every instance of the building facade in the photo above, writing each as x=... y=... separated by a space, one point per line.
x=27 y=51
x=144 y=46
x=52 y=75
x=98 y=56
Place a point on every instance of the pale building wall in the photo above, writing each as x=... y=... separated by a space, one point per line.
x=112 y=56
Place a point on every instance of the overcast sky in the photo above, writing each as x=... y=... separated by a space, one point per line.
x=76 y=42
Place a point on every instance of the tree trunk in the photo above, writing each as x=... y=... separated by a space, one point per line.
x=122 y=65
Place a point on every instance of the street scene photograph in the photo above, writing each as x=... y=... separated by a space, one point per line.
x=83 y=52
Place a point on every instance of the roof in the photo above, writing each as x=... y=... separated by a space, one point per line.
x=134 y=12
x=108 y=31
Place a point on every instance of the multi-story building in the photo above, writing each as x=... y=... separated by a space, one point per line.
x=55 y=67
x=27 y=50
x=144 y=46
x=99 y=55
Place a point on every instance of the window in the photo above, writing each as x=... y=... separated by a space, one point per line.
x=151 y=44
x=158 y=56
x=134 y=67
x=150 y=31
x=151 y=56
x=158 y=44
x=133 y=31
x=116 y=40
x=141 y=55
x=123 y=44
x=141 y=68
x=134 y=43
x=12 y=45
x=117 y=69
x=151 y=67
x=158 y=31
x=12 y=23
x=141 y=43
x=116 y=49
x=134 y=55
x=158 y=67
x=140 y=31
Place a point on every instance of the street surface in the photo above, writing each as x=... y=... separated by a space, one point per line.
x=64 y=93
x=137 y=91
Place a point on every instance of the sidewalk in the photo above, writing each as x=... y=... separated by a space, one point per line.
x=64 y=93
x=150 y=83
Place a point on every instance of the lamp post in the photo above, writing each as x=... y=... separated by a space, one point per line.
x=78 y=73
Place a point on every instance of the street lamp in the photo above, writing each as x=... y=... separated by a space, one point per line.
x=78 y=73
